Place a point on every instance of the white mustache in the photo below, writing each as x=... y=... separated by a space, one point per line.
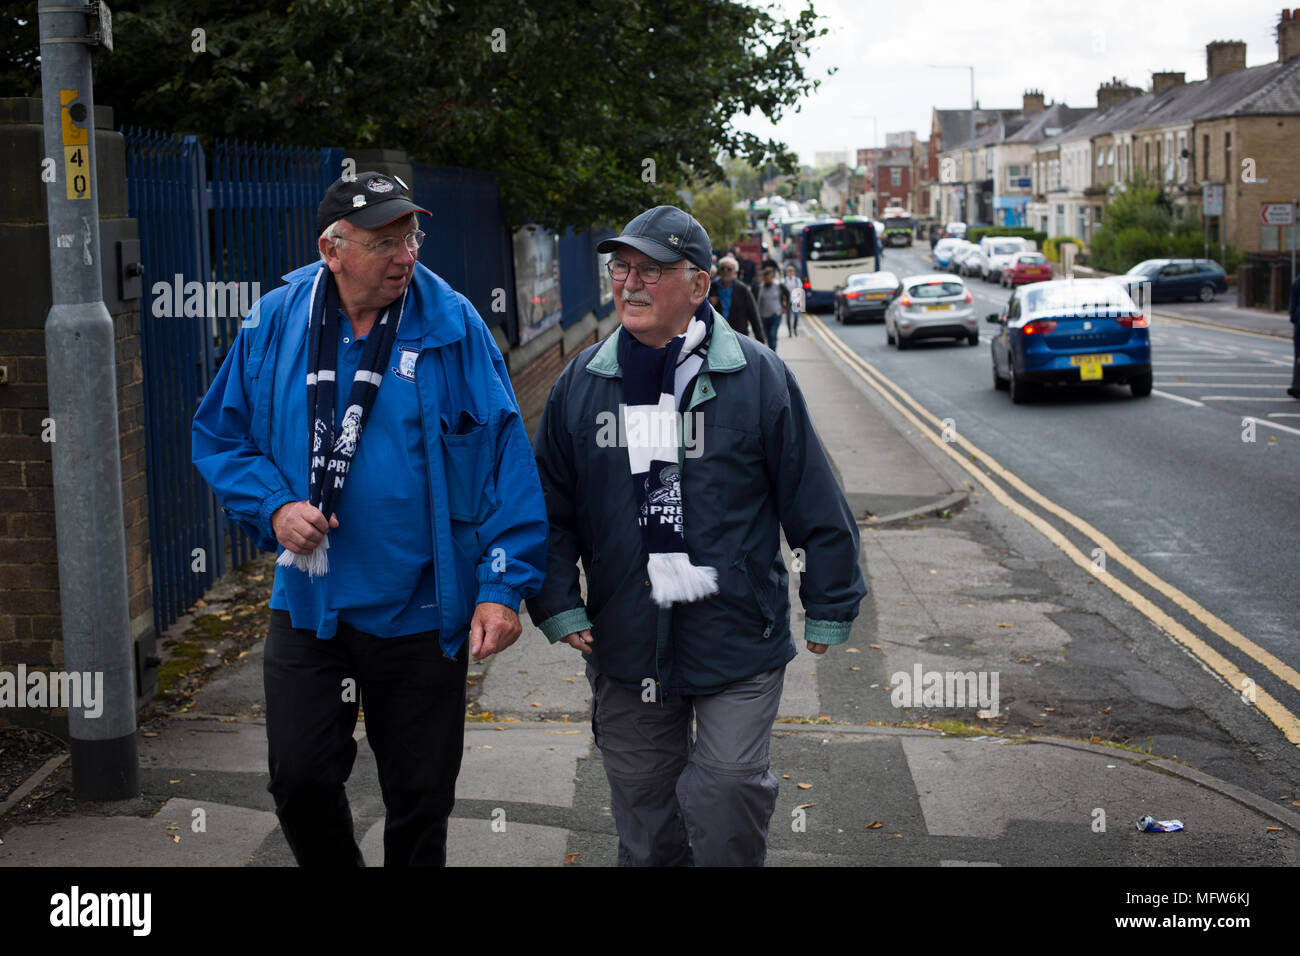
x=634 y=299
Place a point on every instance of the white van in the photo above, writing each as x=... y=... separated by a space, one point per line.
x=999 y=251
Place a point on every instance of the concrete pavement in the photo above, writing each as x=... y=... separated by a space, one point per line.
x=857 y=786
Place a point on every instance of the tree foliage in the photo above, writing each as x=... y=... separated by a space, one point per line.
x=564 y=100
x=715 y=209
x=1141 y=222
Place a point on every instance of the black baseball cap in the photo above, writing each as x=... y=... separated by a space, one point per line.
x=367 y=200
x=665 y=234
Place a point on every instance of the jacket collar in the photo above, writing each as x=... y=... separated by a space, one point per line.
x=724 y=353
x=434 y=313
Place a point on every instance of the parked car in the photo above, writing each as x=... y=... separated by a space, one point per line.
x=1000 y=251
x=1175 y=279
x=960 y=254
x=1026 y=267
x=942 y=251
x=866 y=295
x=1070 y=331
x=933 y=305
x=955 y=230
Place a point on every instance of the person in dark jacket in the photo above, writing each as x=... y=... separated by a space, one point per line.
x=676 y=518
x=1294 y=390
x=734 y=300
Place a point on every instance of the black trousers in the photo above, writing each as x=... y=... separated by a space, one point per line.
x=414 y=699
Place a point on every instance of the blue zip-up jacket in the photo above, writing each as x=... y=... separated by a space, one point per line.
x=489 y=519
x=757 y=468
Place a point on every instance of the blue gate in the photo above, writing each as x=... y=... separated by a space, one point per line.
x=253 y=222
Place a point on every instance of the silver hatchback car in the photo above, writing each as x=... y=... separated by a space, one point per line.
x=932 y=306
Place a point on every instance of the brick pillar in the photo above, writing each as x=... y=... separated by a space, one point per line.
x=30 y=629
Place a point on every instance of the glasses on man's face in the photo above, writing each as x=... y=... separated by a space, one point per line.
x=388 y=246
x=650 y=272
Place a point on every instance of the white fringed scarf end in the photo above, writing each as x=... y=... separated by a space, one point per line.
x=673 y=578
x=316 y=564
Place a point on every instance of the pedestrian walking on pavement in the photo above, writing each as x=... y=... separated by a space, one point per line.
x=794 y=307
x=773 y=301
x=1294 y=390
x=364 y=424
x=687 y=608
x=734 y=300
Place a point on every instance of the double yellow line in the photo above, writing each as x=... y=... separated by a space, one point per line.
x=920 y=418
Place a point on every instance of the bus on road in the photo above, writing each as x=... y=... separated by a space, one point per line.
x=827 y=252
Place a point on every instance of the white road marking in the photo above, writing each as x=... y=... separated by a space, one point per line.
x=1283 y=415
x=1204 y=371
x=1243 y=398
x=1177 y=398
x=1210 y=385
x=1268 y=424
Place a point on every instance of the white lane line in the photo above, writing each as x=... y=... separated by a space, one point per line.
x=1283 y=415
x=1205 y=371
x=1212 y=385
x=1267 y=424
x=1177 y=398
x=1261 y=351
x=1243 y=398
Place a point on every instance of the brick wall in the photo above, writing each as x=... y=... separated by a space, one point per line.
x=30 y=630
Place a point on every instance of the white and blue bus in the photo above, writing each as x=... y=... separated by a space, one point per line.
x=827 y=252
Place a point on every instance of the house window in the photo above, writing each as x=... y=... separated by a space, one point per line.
x=895 y=177
x=1205 y=155
x=1227 y=155
x=1110 y=155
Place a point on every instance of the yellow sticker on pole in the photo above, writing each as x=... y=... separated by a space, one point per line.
x=76 y=150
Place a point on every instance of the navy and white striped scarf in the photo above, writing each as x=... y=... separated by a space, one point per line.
x=653 y=381
x=329 y=469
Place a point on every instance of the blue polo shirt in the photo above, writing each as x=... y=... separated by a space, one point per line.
x=382 y=575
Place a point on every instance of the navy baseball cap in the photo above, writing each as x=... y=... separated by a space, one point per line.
x=367 y=200
x=665 y=234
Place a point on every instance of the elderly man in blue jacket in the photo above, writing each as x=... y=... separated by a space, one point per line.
x=672 y=455
x=363 y=424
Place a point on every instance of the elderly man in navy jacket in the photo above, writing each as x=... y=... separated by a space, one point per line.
x=672 y=455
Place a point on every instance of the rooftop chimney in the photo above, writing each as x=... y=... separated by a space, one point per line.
x=1224 y=56
x=1162 y=81
x=1288 y=35
x=1116 y=91
x=1033 y=102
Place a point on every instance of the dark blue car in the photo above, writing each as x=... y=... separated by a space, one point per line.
x=1071 y=331
x=1172 y=279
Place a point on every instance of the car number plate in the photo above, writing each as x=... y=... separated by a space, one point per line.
x=1090 y=366
x=937 y=308
x=877 y=295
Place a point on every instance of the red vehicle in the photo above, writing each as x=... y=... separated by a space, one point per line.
x=751 y=246
x=1027 y=267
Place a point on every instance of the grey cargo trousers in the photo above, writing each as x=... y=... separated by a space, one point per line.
x=682 y=801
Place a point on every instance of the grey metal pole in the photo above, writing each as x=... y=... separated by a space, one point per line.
x=82 y=386
x=970 y=198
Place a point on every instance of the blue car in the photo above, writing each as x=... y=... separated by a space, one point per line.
x=1172 y=279
x=1070 y=331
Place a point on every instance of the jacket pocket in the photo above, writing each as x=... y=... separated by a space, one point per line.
x=763 y=592
x=469 y=457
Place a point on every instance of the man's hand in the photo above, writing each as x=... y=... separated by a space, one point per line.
x=817 y=648
x=300 y=526
x=580 y=640
x=494 y=628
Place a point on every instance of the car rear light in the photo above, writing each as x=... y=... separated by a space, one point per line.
x=905 y=301
x=1039 y=327
x=1135 y=321
x=852 y=295
x=968 y=298
x=807 y=285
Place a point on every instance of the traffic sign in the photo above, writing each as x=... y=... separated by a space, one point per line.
x=1213 y=199
x=1277 y=213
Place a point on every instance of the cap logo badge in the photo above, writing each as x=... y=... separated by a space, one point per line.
x=674 y=240
x=379 y=185
x=358 y=201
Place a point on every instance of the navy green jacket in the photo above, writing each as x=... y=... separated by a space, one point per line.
x=760 y=468
x=488 y=516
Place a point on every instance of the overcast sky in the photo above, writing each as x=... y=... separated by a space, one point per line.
x=1066 y=49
